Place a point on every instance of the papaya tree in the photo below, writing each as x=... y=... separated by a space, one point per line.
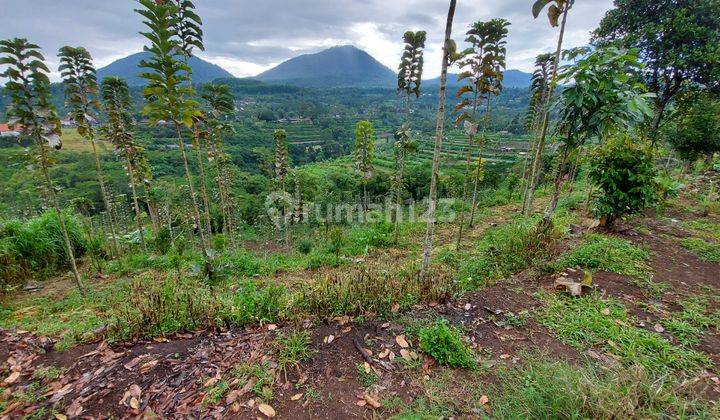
x=409 y=81
x=482 y=66
x=32 y=113
x=81 y=96
x=364 y=155
x=220 y=103
x=117 y=105
x=540 y=89
x=168 y=93
x=557 y=16
x=449 y=49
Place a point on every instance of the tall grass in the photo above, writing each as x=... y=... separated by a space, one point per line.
x=35 y=248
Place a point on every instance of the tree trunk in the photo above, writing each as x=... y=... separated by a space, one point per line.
x=401 y=169
x=136 y=204
x=466 y=173
x=537 y=159
x=188 y=178
x=557 y=183
x=440 y=124
x=483 y=139
x=106 y=201
x=203 y=182
x=61 y=218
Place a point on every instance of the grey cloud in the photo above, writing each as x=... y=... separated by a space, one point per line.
x=269 y=31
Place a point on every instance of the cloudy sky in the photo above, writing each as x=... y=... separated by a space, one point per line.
x=247 y=37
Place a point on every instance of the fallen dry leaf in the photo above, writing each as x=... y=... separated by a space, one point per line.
x=134 y=403
x=606 y=311
x=395 y=307
x=146 y=367
x=405 y=354
x=59 y=416
x=391 y=356
x=659 y=328
x=296 y=397
x=12 y=378
x=484 y=400
x=401 y=341
x=383 y=354
x=329 y=339
x=361 y=403
x=267 y=410
x=372 y=401
x=272 y=327
x=366 y=366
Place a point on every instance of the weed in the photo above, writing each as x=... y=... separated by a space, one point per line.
x=305 y=246
x=49 y=372
x=593 y=322
x=294 y=348
x=706 y=251
x=445 y=344
x=515 y=320
x=607 y=253
x=214 y=393
x=262 y=375
x=650 y=288
x=366 y=376
x=312 y=393
x=704 y=228
x=541 y=388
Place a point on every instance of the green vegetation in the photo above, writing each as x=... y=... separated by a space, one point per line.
x=262 y=375
x=294 y=348
x=605 y=324
x=706 y=251
x=366 y=376
x=444 y=343
x=608 y=253
x=541 y=388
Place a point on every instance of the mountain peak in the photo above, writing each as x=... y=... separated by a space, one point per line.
x=128 y=69
x=342 y=65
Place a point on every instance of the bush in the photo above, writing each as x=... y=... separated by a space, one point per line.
x=625 y=172
x=305 y=246
x=445 y=344
x=35 y=248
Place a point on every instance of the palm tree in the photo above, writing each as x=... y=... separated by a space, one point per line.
x=364 y=155
x=116 y=98
x=32 y=112
x=220 y=103
x=81 y=90
x=448 y=51
x=169 y=97
x=557 y=9
x=409 y=80
x=484 y=62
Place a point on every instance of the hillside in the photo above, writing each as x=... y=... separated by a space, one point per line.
x=336 y=66
x=513 y=79
x=128 y=69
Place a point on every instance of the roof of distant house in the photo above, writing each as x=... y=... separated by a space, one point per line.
x=6 y=127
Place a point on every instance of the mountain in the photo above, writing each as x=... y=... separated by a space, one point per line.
x=128 y=69
x=513 y=79
x=345 y=66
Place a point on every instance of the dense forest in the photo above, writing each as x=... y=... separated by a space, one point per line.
x=456 y=249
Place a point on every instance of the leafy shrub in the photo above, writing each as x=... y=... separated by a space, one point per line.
x=445 y=344
x=163 y=240
x=36 y=247
x=250 y=303
x=625 y=172
x=305 y=246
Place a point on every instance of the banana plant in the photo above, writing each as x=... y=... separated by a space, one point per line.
x=558 y=11
x=117 y=104
x=168 y=92
x=219 y=103
x=482 y=66
x=409 y=81
x=32 y=113
x=364 y=155
x=81 y=97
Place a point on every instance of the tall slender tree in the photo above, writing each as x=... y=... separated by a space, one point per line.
x=220 y=103
x=540 y=89
x=188 y=29
x=81 y=96
x=32 y=112
x=117 y=105
x=168 y=95
x=557 y=15
x=281 y=165
x=483 y=64
x=364 y=155
x=449 y=49
x=409 y=81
